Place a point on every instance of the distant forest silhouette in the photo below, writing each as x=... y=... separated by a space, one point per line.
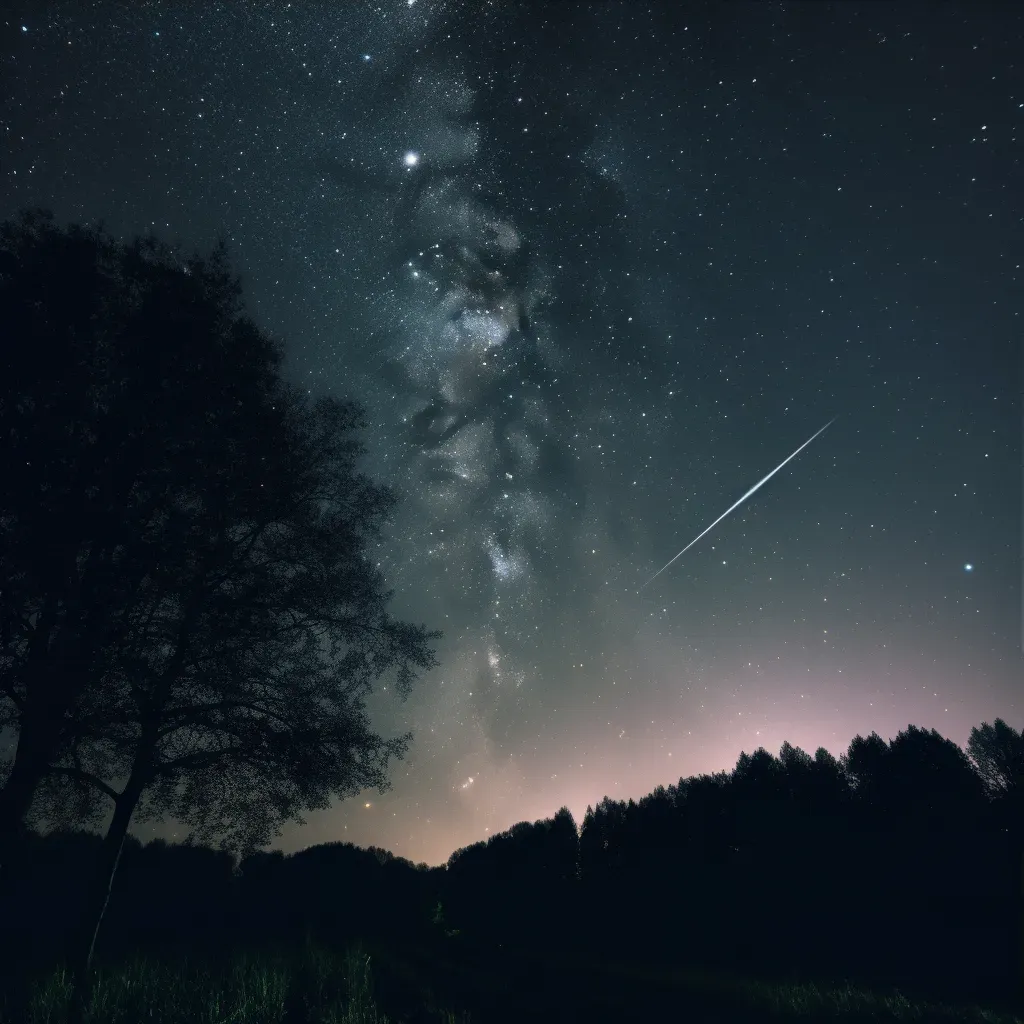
x=190 y=622
x=896 y=864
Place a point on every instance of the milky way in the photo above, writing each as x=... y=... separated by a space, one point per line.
x=486 y=384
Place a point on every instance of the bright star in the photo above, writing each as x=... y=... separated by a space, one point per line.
x=968 y=567
x=411 y=159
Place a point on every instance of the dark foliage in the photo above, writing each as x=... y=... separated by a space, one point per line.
x=190 y=621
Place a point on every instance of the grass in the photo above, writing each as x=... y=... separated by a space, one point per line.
x=312 y=986
x=316 y=985
x=792 y=1001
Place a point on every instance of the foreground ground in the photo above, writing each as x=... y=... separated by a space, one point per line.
x=371 y=984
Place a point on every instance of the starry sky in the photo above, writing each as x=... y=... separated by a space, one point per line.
x=595 y=271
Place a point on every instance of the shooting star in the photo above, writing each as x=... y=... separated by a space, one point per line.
x=756 y=487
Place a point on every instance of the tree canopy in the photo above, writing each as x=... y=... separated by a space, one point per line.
x=191 y=618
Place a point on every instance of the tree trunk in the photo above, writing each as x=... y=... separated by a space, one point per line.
x=31 y=759
x=82 y=943
x=83 y=940
x=52 y=688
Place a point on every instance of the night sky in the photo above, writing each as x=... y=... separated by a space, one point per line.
x=595 y=271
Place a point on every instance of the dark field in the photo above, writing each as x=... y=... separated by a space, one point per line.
x=314 y=984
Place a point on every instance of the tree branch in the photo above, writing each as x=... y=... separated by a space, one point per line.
x=198 y=711
x=83 y=776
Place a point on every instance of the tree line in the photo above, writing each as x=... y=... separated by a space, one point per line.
x=896 y=864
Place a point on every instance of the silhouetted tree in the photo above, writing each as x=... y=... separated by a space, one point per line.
x=997 y=751
x=864 y=764
x=224 y=684
x=80 y=415
x=124 y=368
x=932 y=777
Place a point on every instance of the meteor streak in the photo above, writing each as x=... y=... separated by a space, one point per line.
x=740 y=502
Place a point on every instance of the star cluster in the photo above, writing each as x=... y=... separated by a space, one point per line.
x=595 y=270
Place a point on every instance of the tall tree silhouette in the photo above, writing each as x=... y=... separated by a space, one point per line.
x=997 y=751
x=865 y=763
x=90 y=418
x=224 y=681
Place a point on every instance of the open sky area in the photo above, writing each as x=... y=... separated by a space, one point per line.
x=595 y=271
